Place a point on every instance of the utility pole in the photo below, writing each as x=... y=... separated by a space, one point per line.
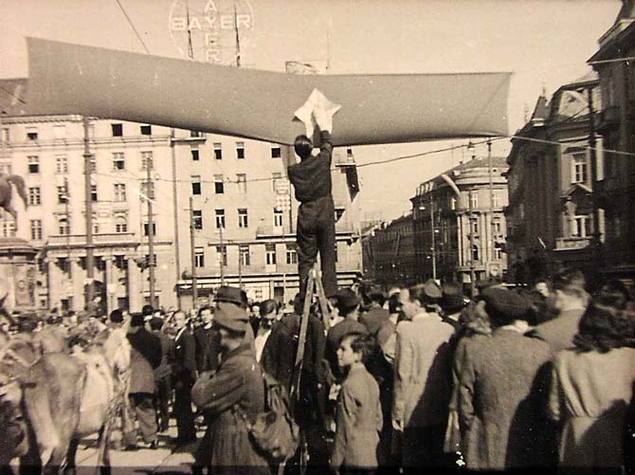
x=88 y=198
x=237 y=37
x=597 y=238
x=193 y=254
x=433 y=239
x=149 y=167
x=491 y=242
x=240 y=267
x=221 y=258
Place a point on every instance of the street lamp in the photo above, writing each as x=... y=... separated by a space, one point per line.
x=432 y=237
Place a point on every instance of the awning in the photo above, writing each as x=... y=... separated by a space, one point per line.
x=72 y=79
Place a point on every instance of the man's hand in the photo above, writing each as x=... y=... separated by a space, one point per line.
x=322 y=118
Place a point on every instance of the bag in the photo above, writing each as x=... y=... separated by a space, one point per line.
x=274 y=432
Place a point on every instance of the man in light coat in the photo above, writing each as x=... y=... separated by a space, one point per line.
x=422 y=379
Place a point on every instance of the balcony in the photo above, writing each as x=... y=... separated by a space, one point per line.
x=79 y=240
x=572 y=243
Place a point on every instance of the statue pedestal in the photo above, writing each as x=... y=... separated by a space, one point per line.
x=17 y=274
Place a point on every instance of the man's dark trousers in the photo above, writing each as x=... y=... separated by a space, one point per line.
x=316 y=232
x=183 y=408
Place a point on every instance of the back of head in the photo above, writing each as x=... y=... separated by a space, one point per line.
x=302 y=146
x=137 y=320
x=504 y=306
x=614 y=294
x=604 y=327
x=378 y=298
x=394 y=304
x=427 y=294
x=156 y=323
x=452 y=300
x=147 y=310
x=116 y=316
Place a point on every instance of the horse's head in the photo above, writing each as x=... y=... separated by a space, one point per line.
x=114 y=345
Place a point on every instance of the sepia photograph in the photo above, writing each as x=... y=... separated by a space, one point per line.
x=317 y=237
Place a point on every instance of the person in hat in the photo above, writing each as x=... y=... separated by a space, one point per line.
x=145 y=357
x=502 y=388
x=311 y=180
x=227 y=295
x=422 y=377
x=376 y=313
x=235 y=391
x=163 y=374
x=347 y=304
x=452 y=303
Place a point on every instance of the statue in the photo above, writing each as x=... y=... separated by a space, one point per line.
x=6 y=193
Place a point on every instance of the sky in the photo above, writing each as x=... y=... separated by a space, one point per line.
x=544 y=43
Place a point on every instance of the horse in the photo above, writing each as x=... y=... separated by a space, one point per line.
x=6 y=193
x=69 y=396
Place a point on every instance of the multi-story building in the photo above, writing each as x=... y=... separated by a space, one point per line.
x=459 y=225
x=550 y=217
x=245 y=216
x=389 y=253
x=242 y=213
x=616 y=123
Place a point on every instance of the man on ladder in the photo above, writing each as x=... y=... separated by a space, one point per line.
x=311 y=180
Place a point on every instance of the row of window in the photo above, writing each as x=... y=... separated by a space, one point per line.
x=276 y=151
x=244 y=255
x=243 y=218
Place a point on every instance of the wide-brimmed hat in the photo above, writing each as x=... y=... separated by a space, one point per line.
x=229 y=294
x=347 y=298
x=452 y=300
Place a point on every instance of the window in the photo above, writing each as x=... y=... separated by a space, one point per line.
x=243 y=219
x=120 y=191
x=579 y=174
x=95 y=225
x=118 y=161
x=338 y=213
x=196 y=184
x=147 y=161
x=219 y=184
x=146 y=130
x=277 y=217
x=199 y=257
x=34 y=163
x=474 y=226
x=146 y=228
x=221 y=252
x=276 y=151
x=495 y=199
x=473 y=199
x=244 y=255
x=153 y=260
x=276 y=177
x=270 y=254
x=581 y=226
x=220 y=218
x=36 y=229
x=218 y=151
x=195 y=134
x=117 y=130
x=8 y=229
x=240 y=150
x=241 y=181
x=292 y=254
x=121 y=263
x=6 y=136
x=93 y=193
x=31 y=133
x=93 y=163
x=62 y=194
x=147 y=189
x=61 y=164
x=197 y=219
x=59 y=131
x=63 y=226
x=34 y=195
x=498 y=253
x=6 y=168
x=476 y=255
x=496 y=226
x=121 y=224
x=195 y=155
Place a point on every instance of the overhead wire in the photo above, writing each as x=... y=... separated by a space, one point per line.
x=134 y=28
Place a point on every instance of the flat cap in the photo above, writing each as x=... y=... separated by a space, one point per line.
x=231 y=317
x=452 y=299
x=432 y=289
x=504 y=305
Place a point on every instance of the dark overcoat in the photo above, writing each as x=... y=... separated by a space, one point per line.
x=237 y=388
x=145 y=356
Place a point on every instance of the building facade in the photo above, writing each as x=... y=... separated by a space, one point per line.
x=616 y=124
x=242 y=216
x=459 y=225
x=551 y=216
x=389 y=254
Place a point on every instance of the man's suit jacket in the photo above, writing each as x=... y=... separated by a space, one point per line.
x=167 y=356
x=145 y=357
x=207 y=349
x=185 y=355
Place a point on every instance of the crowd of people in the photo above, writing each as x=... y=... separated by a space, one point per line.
x=418 y=377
